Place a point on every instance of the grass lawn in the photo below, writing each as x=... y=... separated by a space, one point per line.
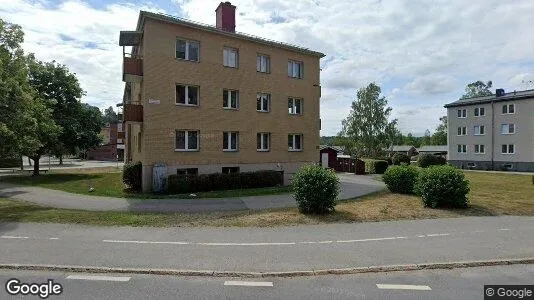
x=491 y=194
x=110 y=184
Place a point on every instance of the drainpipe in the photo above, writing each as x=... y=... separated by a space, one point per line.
x=492 y=134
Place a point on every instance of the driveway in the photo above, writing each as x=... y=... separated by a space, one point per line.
x=352 y=186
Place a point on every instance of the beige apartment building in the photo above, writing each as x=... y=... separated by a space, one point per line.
x=201 y=99
x=493 y=132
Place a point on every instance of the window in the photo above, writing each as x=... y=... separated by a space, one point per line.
x=507 y=128
x=187 y=171
x=263 y=102
x=230 y=170
x=187 y=49
x=508 y=109
x=508 y=149
x=479 y=130
x=186 y=140
x=479 y=149
x=295 y=106
x=187 y=95
x=230 y=57
x=119 y=127
x=230 y=141
x=294 y=69
x=294 y=142
x=462 y=113
x=480 y=111
x=263 y=63
x=262 y=141
x=462 y=130
x=230 y=99
x=462 y=148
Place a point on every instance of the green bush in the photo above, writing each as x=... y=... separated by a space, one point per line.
x=9 y=162
x=399 y=158
x=316 y=189
x=131 y=176
x=426 y=160
x=180 y=184
x=374 y=166
x=442 y=186
x=441 y=160
x=401 y=179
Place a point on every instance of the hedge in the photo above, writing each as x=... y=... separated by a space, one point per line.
x=131 y=175
x=401 y=179
x=399 y=158
x=180 y=184
x=427 y=160
x=9 y=162
x=375 y=166
x=442 y=186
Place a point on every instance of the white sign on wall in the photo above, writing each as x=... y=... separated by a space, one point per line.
x=153 y=101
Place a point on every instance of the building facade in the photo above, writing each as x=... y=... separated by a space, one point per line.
x=202 y=99
x=493 y=132
x=112 y=147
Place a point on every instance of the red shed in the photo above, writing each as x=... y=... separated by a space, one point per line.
x=328 y=155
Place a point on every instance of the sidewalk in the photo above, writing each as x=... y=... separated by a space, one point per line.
x=352 y=186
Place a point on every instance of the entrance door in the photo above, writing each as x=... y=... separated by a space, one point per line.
x=324 y=160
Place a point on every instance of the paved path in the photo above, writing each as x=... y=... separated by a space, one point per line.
x=352 y=186
x=277 y=249
x=428 y=284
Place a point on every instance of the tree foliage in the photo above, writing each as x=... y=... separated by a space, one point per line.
x=440 y=136
x=477 y=89
x=367 y=127
x=110 y=116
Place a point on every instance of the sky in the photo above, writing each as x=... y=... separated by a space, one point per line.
x=421 y=52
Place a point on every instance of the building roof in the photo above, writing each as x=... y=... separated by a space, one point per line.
x=399 y=148
x=143 y=15
x=515 y=95
x=339 y=149
x=433 y=148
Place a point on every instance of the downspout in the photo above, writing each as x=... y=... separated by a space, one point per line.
x=492 y=134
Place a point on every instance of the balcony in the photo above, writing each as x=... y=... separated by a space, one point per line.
x=132 y=69
x=133 y=113
x=120 y=135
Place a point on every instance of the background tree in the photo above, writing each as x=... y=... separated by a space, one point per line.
x=110 y=116
x=367 y=124
x=440 y=136
x=426 y=139
x=478 y=89
x=412 y=140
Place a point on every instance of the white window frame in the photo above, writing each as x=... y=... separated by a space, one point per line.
x=481 y=130
x=187 y=42
x=508 y=149
x=293 y=136
x=508 y=109
x=462 y=113
x=507 y=126
x=263 y=63
x=229 y=93
x=462 y=148
x=226 y=57
x=119 y=127
x=186 y=95
x=229 y=141
x=186 y=144
x=294 y=106
x=293 y=71
x=479 y=147
x=262 y=141
x=479 y=112
x=260 y=97
x=463 y=131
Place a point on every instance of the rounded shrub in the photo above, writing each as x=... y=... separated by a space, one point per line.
x=426 y=160
x=399 y=158
x=442 y=186
x=401 y=179
x=131 y=175
x=441 y=160
x=316 y=189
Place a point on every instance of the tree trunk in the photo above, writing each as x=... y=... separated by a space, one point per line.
x=61 y=159
x=36 y=165
x=29 y=161
x=21 y=163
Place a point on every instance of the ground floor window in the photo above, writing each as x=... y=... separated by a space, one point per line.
x=294 y=142
x=186 y=140
x=230 y=141
x=508 y=149
x=262 y=141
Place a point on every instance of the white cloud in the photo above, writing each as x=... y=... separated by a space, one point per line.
x=421 y=52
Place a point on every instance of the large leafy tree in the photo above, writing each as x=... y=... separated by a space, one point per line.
x=110 y=116
x=478 y=89
x=62 y=92
x=440 y=136
x=367 y=127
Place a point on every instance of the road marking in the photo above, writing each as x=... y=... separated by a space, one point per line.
x=249 y=283
x=421 y=235
x=370 y=240
x=403 y=287
x=244 y=244
x=13 y=237
x=98 y=277
x=53 y=238
x=504 y=229
x=438 y=234
x=321 y=242
x=145 y=242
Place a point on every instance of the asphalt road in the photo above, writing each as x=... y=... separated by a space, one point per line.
x=429 y=284
x=270 y=249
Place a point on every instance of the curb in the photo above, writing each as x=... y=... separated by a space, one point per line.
x=210 y=273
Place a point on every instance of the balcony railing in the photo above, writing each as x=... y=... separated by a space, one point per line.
x=132 y=70
x=133 y=113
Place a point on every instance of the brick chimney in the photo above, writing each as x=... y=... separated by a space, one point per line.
x=226 y=16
